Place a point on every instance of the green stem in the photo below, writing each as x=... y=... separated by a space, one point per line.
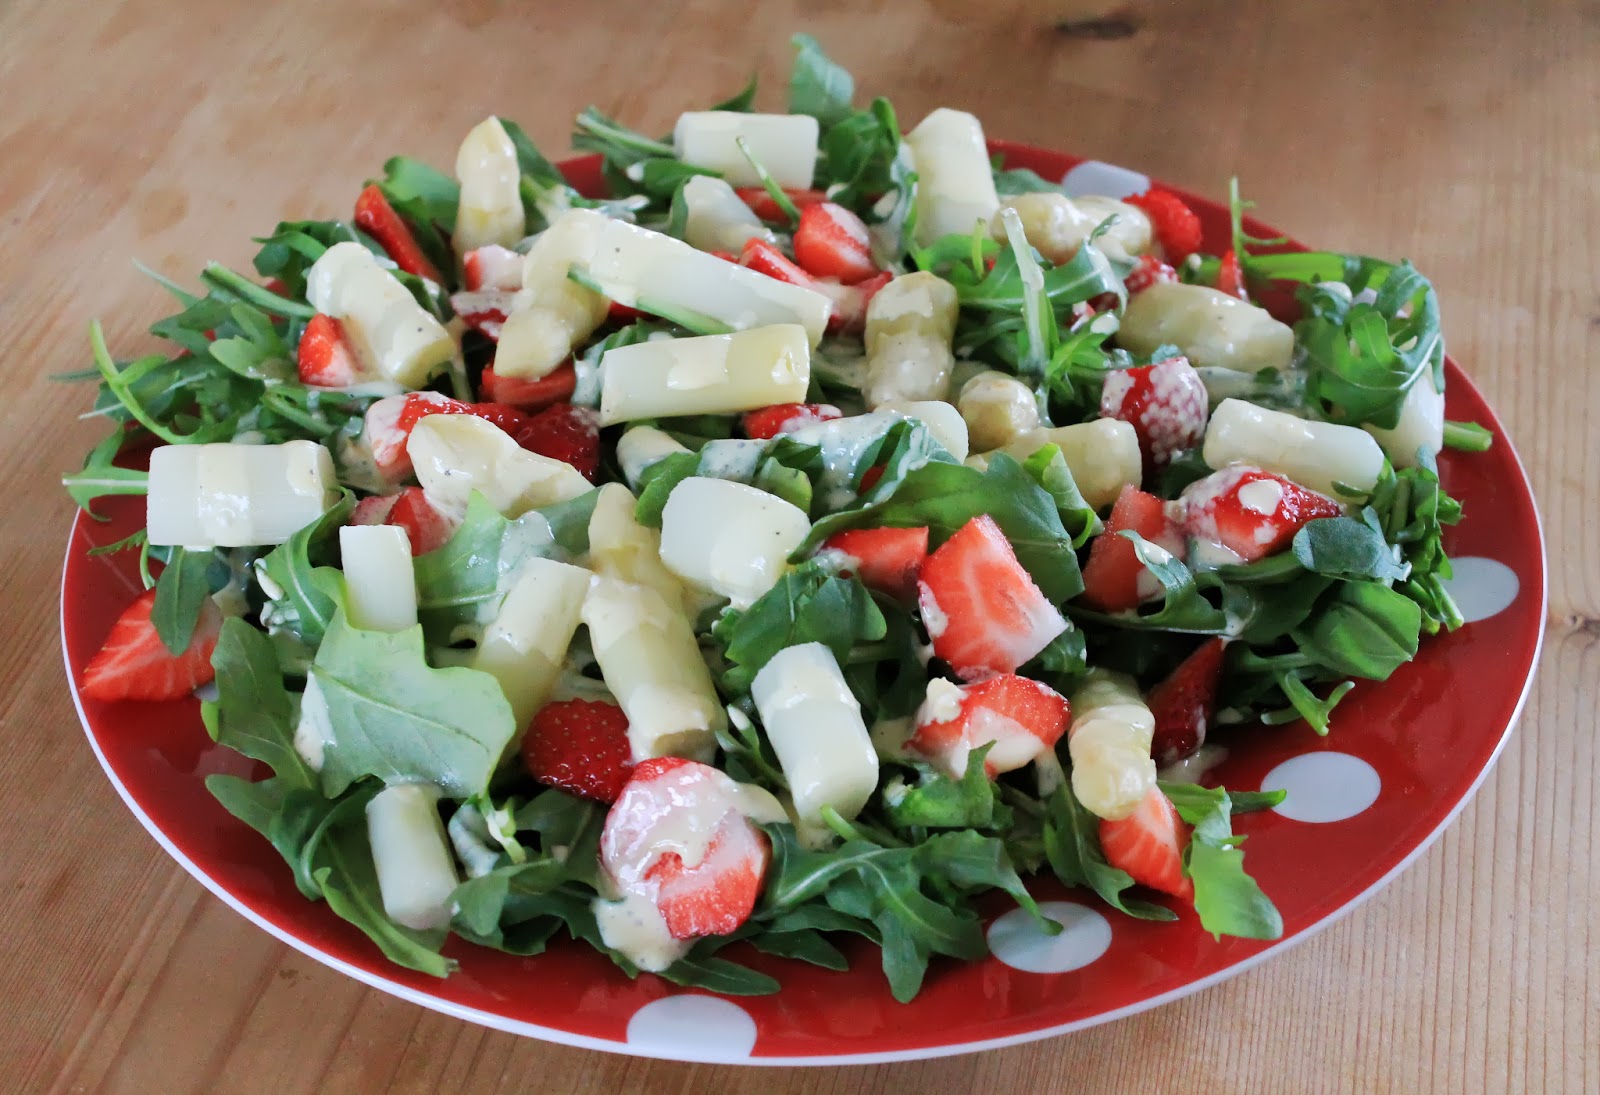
x=220 y=277
x=774 y=191
x=1467 y=436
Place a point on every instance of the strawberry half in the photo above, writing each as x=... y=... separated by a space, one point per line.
x=981 y=608
x=1022 y=717
x=325 y=357
x=832 y=242
x=491 y=267
x=1230 y=276
x=670 y=801
x=484 y=310
x=1176 y=227
x=1148 y=844
x=1113 y=579
x=1166 y=403
x=377 y=218
x=762 y=205
x=1148 y=271
x=885 y=559
x=769 y=422
x=388 y=423
x=1251 y=512
x=580 y=746
x=762 y=257
x=849 y=314
x=565 y=432
x=1183 y=703
x=134 y=664
x=556 y=386
x=426 y=528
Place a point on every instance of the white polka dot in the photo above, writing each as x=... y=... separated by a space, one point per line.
x=1094 y=177
x=1482 y=587
x=704 y=1028
x=1017 y=940
x=1324 y=786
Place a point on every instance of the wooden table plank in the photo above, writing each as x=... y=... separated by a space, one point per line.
x=1461 y=135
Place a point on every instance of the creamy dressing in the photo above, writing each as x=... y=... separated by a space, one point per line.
x=1193 y=768
x=844 y=443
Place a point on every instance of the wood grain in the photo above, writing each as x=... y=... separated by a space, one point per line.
x=1461 y=135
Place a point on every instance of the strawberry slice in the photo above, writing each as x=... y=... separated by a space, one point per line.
x=1166 y=403
x=325 y=357
x=1183 y=703
x=1251 y=512
x=1148 y=844
x=1148 y=271
x=761 y=256
x=426 y=528
x=762 y=205
x=580 y=746
x=491 y=267
x=1022 y=717
x=886 y=559
x=849 y=314
x=134 y=664
x=1230 y=276
x=530 y=395
x=565 y=432
x=1113 y=579
x=832 y=242
x=981 y=608
x=768 y=422
x=387 y=427
x=484 y=310
x=1176 y=227
x=377 y=218
x=670 y=806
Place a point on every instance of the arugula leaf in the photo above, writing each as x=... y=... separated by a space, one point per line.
x=657 y=482
x=1228 y=900
x=181 y=592
x=385 y=712
x=743 y=100
x=294 y=246
x=460 y=585
x=1305 y=704
x=1183 y=608
x=1009 y=182
x=1049 y=469
x=1072 y=848
x=431 y=196
x=818 y=86
x=1366 y=630
x=100 y=477
x=935 y=801
x=1343 y=547
x=301 y=590
x=253 y=714
x=808 y=604
x=860 y=160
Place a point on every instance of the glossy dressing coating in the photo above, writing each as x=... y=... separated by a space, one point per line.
x=1109 y=743
x=236 y=495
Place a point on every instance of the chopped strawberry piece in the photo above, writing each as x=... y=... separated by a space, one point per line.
x=325 y=357
x=849 y=314
x=530 y=395
x=374 y=509
x=1148 y=844
x=1251 y=512
x=1148 y=271
x=762 y=257
x=769 y=422
x=508 y=418
x=426 y=528
x=710 y=893
x=1022 y=717
x=491 y=267
x=1166 y=403
x=621 y=313
x=886 y=559
x=387 y=428
x=377 y=218
x=134 y=664
x=832 y=242
x=1183 y=703
x=1113 y=579
x=762 y=205
x=565 y=432
x=484 y=310
x=981 y=608
x=1230 y=276
x=580 y=746
x=1176 y=227
x=870 y=477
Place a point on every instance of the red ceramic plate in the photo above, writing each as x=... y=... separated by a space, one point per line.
x=1403 y=758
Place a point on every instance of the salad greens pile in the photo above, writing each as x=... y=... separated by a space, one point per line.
x=1351 y=599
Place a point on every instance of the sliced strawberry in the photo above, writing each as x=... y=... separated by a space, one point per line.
x=485 y=310
x=1230 y=276
x=769 y=422
x=667 y=807
x=762 y=205
x=326 y=358
x=761 y=256
x=373 y=510
x=507 y=417
x=426 y=528
x=1176 y=227
x=530 y=395
x=1251 y=512
x=1183 y=703
x=1022 y=717
x=1148 y=271
x=1113 y=579
x=1166 y=403
x=491 y=267
x=565 y=432
x=886 y=559
x=832 y=242
x=981 y=608
x=377 y=218
x=388 y=423
x=134 y=664
x=580 y=746
x=1148 y=844
x=849 y=314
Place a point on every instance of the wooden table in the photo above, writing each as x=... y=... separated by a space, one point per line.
x=1462 y=135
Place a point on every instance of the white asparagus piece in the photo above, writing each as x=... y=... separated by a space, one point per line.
x=233 y=495
x=380 y=580
x=1314 y=454
x=392 y=334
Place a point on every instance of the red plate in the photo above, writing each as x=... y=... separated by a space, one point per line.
x=1402 y=760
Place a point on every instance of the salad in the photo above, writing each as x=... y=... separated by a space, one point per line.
x=824 y=529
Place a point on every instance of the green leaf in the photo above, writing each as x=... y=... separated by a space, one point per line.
x=305 y=605
x=719 y=975
x=1367 y=630
x=807 y=604
x=935 y=801
x=741 y=102
x=801 y=946
x=818 y=86
x=253 y=712
x=1343 y=547
x=1010 y=182
x=657 y=482
x=1228 y=900
x=1183 y=608
x=978 y=863
x=1072 y=848
x=460 y=585
x=1049 y=469
x=425 y=189
x=181 y=592
x=385 y=712
x=100 y=477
